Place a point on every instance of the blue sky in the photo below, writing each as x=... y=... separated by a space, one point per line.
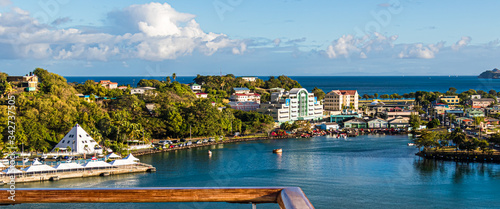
x=243 y=37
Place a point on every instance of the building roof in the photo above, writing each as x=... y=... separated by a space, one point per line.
x=356 y=120
x=200 y=93
x=122 y=162
x=195 y=84
x=96 y=164
x=374 y=119
x=241 y=89
x=79 y=141
x=330 y=124
x=131 y=157
x=68 y=166
x=38 y=167
x=399 y=120
x=345 y=92
x=483 y=100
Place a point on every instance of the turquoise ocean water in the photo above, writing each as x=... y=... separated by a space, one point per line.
x=361 y=172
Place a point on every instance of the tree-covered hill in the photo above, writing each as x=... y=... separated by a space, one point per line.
x=45 y=116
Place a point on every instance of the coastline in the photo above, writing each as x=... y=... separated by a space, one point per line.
x=460 y=156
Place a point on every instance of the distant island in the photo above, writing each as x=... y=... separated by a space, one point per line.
x=495 y=73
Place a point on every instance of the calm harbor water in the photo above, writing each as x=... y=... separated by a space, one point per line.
x=364 y=84
x=362 y=172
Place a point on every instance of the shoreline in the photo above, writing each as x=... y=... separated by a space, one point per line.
x=55 y=176
x=460 y=156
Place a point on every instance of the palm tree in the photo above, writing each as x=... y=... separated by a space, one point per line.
x=68 y=149
x=174 y=76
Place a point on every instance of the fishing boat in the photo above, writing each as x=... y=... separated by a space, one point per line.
x=411 y=144
x=277 y=150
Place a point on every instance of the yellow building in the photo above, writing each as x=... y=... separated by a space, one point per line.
x=450 y=100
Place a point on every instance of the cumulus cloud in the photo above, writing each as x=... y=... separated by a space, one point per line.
x=420 y=50
x=464 y=41
x=349 y=45
x=151 y=31
x=241 y=50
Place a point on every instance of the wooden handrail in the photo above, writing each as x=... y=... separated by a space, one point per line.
x=287 y=197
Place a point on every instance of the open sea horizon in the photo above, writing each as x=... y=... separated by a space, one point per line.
x=363 y=84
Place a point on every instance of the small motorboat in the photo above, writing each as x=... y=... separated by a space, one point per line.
x=209 y=153
x=277 y=150
x=411 y=144
x=25 y=160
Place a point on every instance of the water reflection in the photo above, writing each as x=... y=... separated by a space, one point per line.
x=428 y=169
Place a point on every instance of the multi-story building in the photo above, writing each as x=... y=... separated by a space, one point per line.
x=297 y=104
x=108 y=84
x=481 y=103
x=244 y=95
x=29 y=81
x=450 y=100
x=337 y=100
x=245 y=106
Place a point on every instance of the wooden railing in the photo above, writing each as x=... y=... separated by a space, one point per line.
x=286 y=197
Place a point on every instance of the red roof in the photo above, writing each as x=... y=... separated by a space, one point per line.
x=200 y=93
x=113 y=83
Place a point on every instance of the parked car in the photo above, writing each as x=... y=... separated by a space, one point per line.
x=205 y=140
x=164 y=142
x=189 y=143
x=175 y=141
x=183 y=140
x=211 y=139
x=199 y=142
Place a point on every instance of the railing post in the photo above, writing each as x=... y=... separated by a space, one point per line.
x=254 y=206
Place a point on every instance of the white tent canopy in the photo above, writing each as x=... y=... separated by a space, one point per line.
x=96 y=164
x=38 y=167
x=79 y=141
x=2 y=165
x=131 y=157
x=112 y=156
x=12 y=171
x=68 y=166
x=122 y=162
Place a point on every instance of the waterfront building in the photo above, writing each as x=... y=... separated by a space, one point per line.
x=377 y=123
x=29 y=82
x=337 y=100
x=244 y=95
x=141 y=90
x=79 y=141
x=195 y=87
x=249 y=79
x=108 y=84
x=481 y=103
x=355 y=123
x=245 y=106
x=340 y=118
x=450 y=100
x=329 y=126
x=399 y=122
x=297 y=104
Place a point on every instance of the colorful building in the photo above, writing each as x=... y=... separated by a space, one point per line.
x=29 y=82
x=450 y=100
x=245 y=106
x=337 y=100
x=297 y=104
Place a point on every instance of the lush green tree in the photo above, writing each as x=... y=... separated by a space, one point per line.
x=433 y=124
x=320 y=94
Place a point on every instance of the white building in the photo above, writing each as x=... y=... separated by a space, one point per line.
x=141 y=90
x=195 y=87
x=297 y=104
x=202 y=95
x=244 y=95
x=337 y=100
x=245 y=106
x=249 y=79
x=79 y=141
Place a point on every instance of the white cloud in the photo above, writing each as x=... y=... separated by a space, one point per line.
x=348 y=45
x=464 y=41
x=420 y=50
x=154 y=31
x=241 y=50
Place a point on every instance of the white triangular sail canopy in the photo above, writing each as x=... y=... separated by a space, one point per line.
x=79 y=141
x=112 y=156
x=12 y=170
x=122 y=162
x=38 y=168
x=96 y=164
x=131 y=157
x=68 y=166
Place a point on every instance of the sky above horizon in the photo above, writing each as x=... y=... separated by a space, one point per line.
x=242 y=37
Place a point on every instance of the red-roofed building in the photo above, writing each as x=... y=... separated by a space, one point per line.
x=247 y=97
x=108 y=84
x=337 y=100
